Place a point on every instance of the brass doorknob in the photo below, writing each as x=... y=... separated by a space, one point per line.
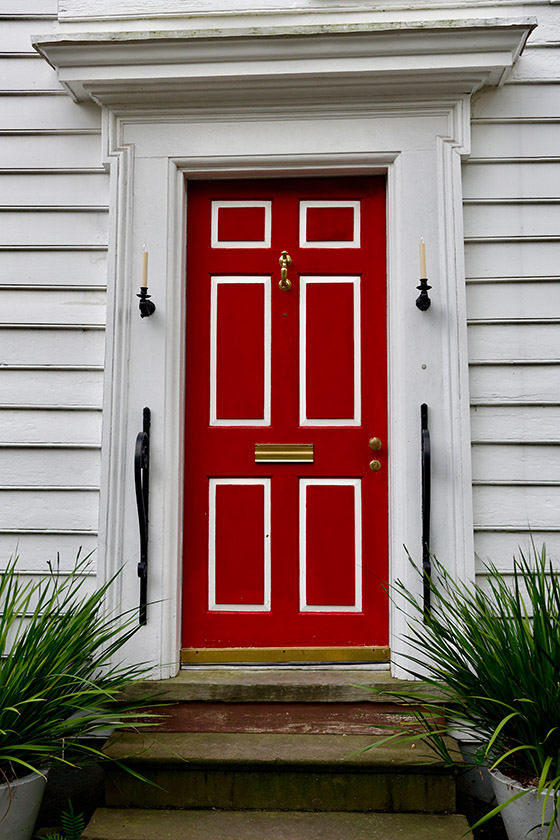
x=375 y=465
x=375 y=444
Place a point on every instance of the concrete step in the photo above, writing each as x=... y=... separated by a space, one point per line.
x=241 y=771
x=275 y=685
x=269 y=825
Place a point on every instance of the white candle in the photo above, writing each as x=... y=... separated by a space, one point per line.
x=422 y=258
x=144 y=284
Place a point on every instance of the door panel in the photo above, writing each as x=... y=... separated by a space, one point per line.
x=285 y=523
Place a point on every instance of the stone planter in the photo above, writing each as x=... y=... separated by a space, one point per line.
x=522 y=818
x=20 y=801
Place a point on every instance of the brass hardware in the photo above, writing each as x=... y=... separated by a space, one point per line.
x=283 y=453
x=289 y=654
x=375 y=465
x=375 y=444
x=285 y=260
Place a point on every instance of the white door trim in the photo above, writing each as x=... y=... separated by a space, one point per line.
x=153 y=144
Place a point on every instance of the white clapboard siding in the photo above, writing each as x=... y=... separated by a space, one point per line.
x=52 y=191
x=537 y=64
x=75 y=306
x=50 y=385
x=47 y=8
x=532 y=299
x=50 y=151
x=512 y=258
x=514 y=383
x=518 y=340
x=47 y=113
x=490 y=546
x=79 y=344
x=74 y=267
x=510 y=180
x=525 y=423
x=30 y=426
x=531 y=218
x=29 y=74
x=49 y=509
x=515 y=462
x=59 y=227
x=520 y=102
x=517 y=505
x=516 y=140
x=49 y=465
x=15 y=35
x=36 y=550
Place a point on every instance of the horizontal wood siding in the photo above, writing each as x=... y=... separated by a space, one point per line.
x=512 y=247
x=53 y=241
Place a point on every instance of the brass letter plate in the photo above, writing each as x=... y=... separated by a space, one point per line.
x=283 y=453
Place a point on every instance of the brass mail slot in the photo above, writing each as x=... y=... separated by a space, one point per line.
x=283 y=453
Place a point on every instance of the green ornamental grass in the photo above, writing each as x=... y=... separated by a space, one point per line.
x=489 y=659
x=61 y=682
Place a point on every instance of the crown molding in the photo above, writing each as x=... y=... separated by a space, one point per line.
x=306 y=63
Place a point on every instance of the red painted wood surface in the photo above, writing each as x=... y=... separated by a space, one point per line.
x=217 y=450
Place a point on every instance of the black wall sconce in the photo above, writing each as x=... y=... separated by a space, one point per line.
x=423 y=301
x=147 y=307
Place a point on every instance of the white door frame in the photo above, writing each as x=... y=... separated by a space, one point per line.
x=155 y=137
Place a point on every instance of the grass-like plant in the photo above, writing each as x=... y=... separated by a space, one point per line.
x=489 y=659
x=61 y=683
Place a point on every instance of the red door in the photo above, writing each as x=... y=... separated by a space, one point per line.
x=285 y=521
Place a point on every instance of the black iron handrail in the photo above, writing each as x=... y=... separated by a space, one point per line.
x=426 y=504
x=142 y=485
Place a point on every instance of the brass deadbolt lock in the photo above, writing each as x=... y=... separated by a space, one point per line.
x=375 y=465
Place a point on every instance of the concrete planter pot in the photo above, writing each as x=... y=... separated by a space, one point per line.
x=20 y=801
x=522 y=818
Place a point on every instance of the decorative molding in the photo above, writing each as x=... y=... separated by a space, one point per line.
x=311 y=63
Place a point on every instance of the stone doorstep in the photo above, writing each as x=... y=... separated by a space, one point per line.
x=132 y=824
x=240 y=771
x=275 y=685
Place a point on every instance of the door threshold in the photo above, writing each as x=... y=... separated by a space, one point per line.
x=287 y=666
x=294 y=656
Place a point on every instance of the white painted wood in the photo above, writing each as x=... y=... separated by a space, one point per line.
x=45 y=386
x=538 y=64
x=355 y=420
x=25 y=425
x=215 y=283
x=56 y=268
x=509 y=180
x=535 y=462
x=56 y=152
x=213 y=524
x=511 y=219
x=519 y=101
x=524 y=423
x=532 y=299
x=28 y=466
x=15 y=35
x=519 y=382
x=511 y=259
x=52 y=347
x=522 y=140
x=27 y=74
x=525 y=506
x=53 y=509
x=54 y=191
x=47 y=113
x=34 y=550
x=514 y=341
x=304 y=484
x=75 y=307
x=53 y=228
x=499 y=549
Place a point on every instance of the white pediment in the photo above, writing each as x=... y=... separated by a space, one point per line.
x=366 y=62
